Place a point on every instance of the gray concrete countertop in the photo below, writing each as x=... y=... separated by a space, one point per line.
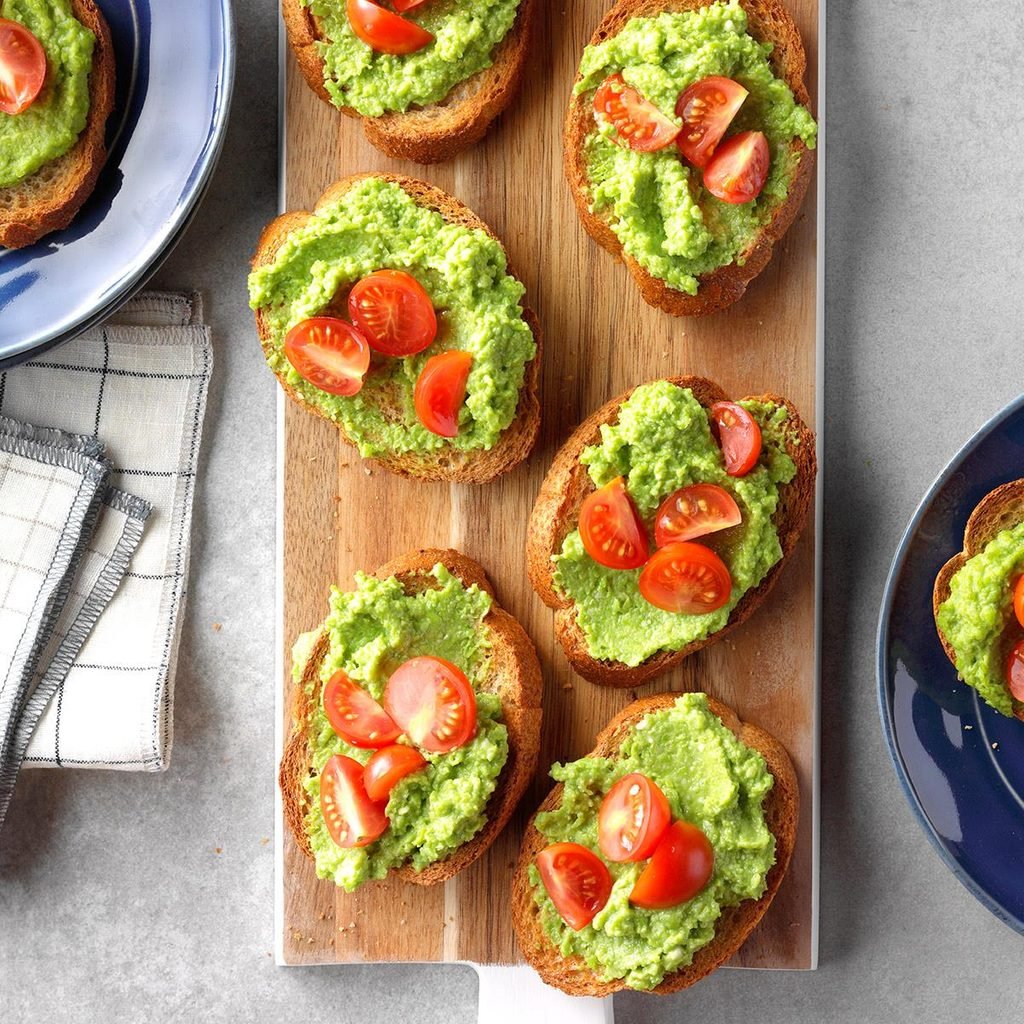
x=149 y=898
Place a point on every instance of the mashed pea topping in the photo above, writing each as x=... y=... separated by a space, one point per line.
x=372 y=631
x=466 y=34
x=711 y=780
x=659 y=209
x=377 y=225
x=662 y=441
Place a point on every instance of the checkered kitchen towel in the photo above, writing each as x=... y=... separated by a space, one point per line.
x=95 y=506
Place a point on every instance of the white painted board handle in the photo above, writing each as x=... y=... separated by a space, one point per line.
x=516 y=995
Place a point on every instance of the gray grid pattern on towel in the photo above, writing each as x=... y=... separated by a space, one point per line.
x=140 y=388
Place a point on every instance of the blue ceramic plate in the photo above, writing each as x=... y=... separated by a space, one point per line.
x=175 y=66
x=960 y=762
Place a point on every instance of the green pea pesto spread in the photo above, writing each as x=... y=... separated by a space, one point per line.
x=466 y=34
x=51 y=126
x=661 y=442
x=660 y=211
x=377 y=225
x=977 y=618
x=711 y=780
x=373 y=630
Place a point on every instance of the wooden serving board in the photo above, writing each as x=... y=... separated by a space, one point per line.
x=339 y=514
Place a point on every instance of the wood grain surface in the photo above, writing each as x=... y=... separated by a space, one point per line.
x=341 y=514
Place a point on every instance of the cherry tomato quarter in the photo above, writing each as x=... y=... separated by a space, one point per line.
x=355 y=716
x=384 y=31
x=388 y=766
x=695 y=511
x=639 y=123
x=738 y=436
x=633 y=817
x=611 y=529
x=707 y=108
x=738 y=169
x=352 y=818
x=679 y=868
x=440 y=391
x=577 y=881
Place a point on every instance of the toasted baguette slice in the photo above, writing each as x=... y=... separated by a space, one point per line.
x=514 y=675
x=782 y=812
x=49 y=199
x=556 y=513
x=437 y=132
x=769 y=21
x=452 y=464
x=999 y=510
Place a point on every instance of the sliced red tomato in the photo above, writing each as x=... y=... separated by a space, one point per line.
x=737 y=171
x=406 y=5
x=679 y=868
x=22 y=67
x=388 y=766
x=385 y=31
x=440 y=391
x=330 y=353
x=693 y=512
x=1015 y=671
x=577 y=881
x=433 y=702
x=640 y=124
x=352 y=818
x=633 y=817
x=686 y=578
x=394 y=311
x=707 y=108
x=611 y=529
x=1018 y=599
x=738 y=436
x=355 y=716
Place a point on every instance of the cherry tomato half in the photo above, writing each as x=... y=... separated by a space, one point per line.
x=577 y=881
x=737 y=171
x=433 y=702
x=352 y=818
x=1018 y=599
x=1015 y=671
x=394 y=312
x=611 y=529
x=355 y=716
x=389 y=765
x=22 y=67
x=330 y=353
x=633 y=817
x=679 y=868
x=440 y=391
x=640 y=124
x=693 y=512
x=707 y=108
x=738 y=436
x=686 y=578
x=385 y=31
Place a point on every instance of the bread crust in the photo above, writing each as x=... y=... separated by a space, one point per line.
x=999 y=510
x=49 y=199
x=515 y=675
x=439 y=131
x=782 y=812
x=768 y=21
x=454 y=465
x=567 y=484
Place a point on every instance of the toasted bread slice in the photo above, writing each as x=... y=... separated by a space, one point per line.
x=514 y=675
x=999 y=510
x=452 y=464
x=48 y=200
x=782 y=812
x=437 y=132
x=768 y=21
x=556 y=512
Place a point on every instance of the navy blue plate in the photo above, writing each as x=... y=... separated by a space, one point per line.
x=960 y=762
x=175 y=68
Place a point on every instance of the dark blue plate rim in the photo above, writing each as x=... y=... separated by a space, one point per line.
x=882 y=659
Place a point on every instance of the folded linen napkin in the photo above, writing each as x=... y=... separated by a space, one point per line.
x=117 y=420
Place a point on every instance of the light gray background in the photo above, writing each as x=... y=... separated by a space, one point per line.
x=114 y=902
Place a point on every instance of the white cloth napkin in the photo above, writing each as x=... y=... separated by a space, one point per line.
x=88 y=642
